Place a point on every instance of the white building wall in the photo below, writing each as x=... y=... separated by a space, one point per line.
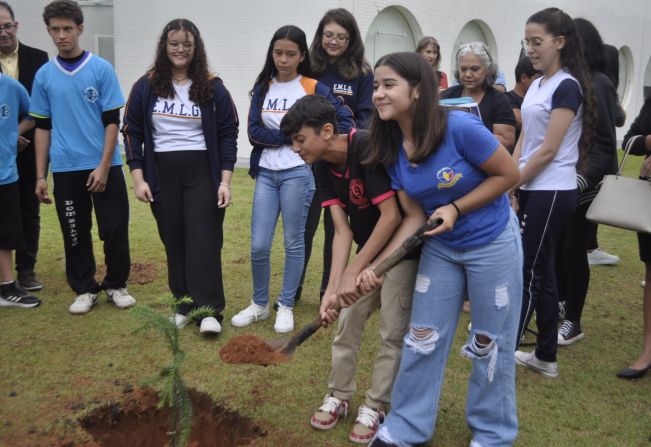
x=98 y=19
x=237 y=33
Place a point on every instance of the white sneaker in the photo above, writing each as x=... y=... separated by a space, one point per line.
x=83 y=303
x=249 y=315
x=600 y=257
x=179 y=320
x=210 y=325
x=120 y=297
x=284 y=319
x=529 y=360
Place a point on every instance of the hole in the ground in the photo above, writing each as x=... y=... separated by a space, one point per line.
x=138 y=423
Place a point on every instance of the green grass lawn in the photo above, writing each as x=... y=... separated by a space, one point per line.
x=51 y=361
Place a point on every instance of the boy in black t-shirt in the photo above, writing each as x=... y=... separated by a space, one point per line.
x=365 y=210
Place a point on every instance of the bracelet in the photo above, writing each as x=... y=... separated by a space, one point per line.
x=225 y=184
x=41 y=178
x=456 y=208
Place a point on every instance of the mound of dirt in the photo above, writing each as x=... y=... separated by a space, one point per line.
x=140 y=273
x=137 y=422
x=252 y=350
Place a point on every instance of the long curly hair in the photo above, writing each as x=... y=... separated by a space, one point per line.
x=559 y=24
x=201 y=91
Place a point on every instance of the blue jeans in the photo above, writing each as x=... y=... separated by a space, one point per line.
x=491 y=275
x=288 y=192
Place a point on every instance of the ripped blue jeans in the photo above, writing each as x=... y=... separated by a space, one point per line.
x=491 y=276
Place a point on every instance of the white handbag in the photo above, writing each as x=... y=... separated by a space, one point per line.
x=623 y=202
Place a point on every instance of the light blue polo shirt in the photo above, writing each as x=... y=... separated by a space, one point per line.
x=74 y=101
x=14 y=104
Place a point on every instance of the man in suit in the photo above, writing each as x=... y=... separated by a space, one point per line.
x=21 y=62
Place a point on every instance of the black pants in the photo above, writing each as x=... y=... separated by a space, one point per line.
x=192 y=229
x=311 y=225
x=29 y=210
x=572 y=269
x=542 y=215
x=74 y=205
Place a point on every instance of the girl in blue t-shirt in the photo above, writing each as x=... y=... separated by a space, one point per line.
x=557 y=123
x=450 y=165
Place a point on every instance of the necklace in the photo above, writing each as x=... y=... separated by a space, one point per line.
x=180 y=80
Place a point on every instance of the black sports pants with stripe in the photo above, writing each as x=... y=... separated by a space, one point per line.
x=74 y=205
x=542 y=215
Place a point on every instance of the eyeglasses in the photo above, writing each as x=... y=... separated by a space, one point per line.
x=330 y=36
x=535 y=43
x=7 y=27
x=185 y=46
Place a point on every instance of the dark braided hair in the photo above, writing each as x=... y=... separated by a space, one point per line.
x=201 y=91
x=559 y=24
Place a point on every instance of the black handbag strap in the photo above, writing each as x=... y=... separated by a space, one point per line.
x=627 y=149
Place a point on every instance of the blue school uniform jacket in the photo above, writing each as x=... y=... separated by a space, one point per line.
x=220 y=129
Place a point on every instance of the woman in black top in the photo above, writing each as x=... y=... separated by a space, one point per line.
x=642 y=146
x=476 y=72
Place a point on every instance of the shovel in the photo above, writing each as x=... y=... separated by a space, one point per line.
x=288 y=346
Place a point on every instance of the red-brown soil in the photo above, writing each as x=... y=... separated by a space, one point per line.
x=140 y=273
x=137 y=422
x=251 y=349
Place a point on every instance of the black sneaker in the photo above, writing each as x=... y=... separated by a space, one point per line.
x=569 y=332
x=12 y=295
x=29 y=281
x=380 y=443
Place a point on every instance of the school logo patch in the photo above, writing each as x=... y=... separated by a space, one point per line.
x=4 y=111
x=91 y=94
x=357 y=193
x=447 y=178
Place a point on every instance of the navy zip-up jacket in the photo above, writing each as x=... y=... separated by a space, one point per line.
x=220 y=129
x=261 y=137
x=355 y=94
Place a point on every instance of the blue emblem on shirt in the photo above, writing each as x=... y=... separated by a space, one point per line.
x=91 y=94
x=4 y=111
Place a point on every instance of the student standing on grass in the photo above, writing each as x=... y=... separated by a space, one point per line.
x=76 y=101
x=429 y=48
x=557 y=124
x=364 y=210
x=21 y=62
x=283 y=182
x=337 y=57
x=572 y=269
x=449 y=164
x=14 y=105
x=642 y=146
x=187 y=122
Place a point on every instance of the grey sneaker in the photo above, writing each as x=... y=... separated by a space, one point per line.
x=29 y=281
x=83 y=303
x=529 y=360
x=12 y=295
x=600 y=257
x=569 y=332
x=120 y=297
